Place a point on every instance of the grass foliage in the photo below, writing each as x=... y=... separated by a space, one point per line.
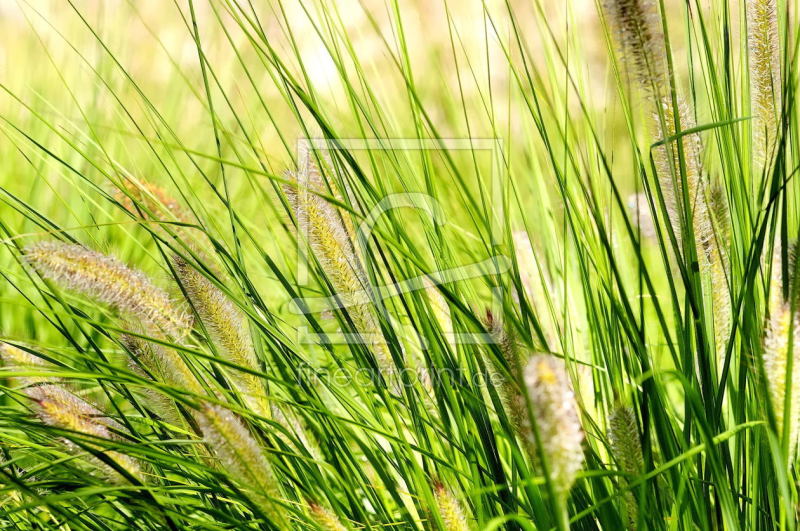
x=535 y=269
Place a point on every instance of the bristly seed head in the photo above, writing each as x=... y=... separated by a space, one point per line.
x=637 y=24
x=228 y=330
x=107 y=280
x=763 y=43
x=325 y=519
x=59 y=408
x=451 y=510
x=555 y=412
x=626 y=449
x=242 y=458
x=329 y=234
x=16 y=359
x=781 y=344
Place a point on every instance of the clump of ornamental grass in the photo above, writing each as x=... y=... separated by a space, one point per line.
x=557 y=436
x=228 y=330
x=781 y=357
x=626 y=449
x=107 y=280
x=147 y=307
x=59 y=408
x=677 y=159
x=451 y=510
x=330 y=236
x=763 y=46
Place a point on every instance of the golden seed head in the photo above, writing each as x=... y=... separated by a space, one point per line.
x=555 y=412
x=15 y=358
x=763 y=43
x=450 y=509
x=60 y=408
x=107 y=280
x=326 y=519
x=228 y=330
x=778 y=350
x=242 y=458
x=12 y=356
x=329 y=234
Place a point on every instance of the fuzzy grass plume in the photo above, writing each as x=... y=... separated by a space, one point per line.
x=763 y=46
x=555 y=413
x=60 y=408
x=677 y=159
x=228 y=331
x=15 y=359
x=450 y=509
x=241 y=457
x=780 y=352
x=626 y=449
x=107 y=280
x=325 y=519
x=330 y=236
